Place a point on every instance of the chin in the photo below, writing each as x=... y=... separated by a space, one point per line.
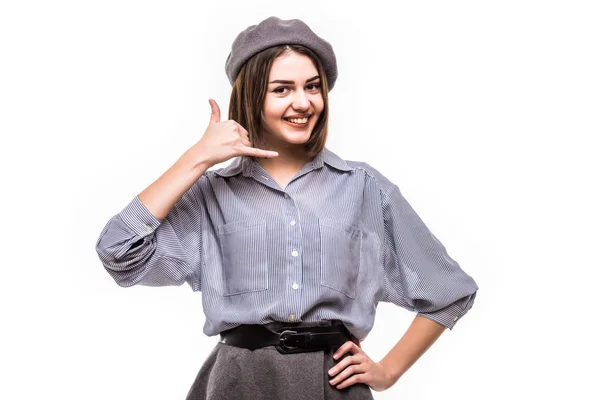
x=297 y=139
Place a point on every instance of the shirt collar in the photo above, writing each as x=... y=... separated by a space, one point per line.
x=330 y=158
x=245 y=164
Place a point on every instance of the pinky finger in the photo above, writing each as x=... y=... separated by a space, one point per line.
x=354 y=379
x=262 y=153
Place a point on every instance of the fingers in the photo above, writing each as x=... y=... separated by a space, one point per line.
x=344 y=364
x=346 y=377
x=346 y=347
x=231 y=125
x=242 y=130
x=251 y=151
x=350 y=370
x=346 y=368
x=356 y=358
x=245 y=141
x=357 y=367
x=215 y=115
x=355 y=378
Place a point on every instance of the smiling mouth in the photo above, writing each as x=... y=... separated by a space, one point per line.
x=297 y=121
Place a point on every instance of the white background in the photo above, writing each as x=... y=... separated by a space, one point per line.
x=486 y=115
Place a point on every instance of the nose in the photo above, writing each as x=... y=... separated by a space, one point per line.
x=301 y=101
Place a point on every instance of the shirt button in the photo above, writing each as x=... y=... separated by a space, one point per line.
x=295 y=253
x=292 y=222
x=455 y=318
x=287 y=196
x=148 y=228
x=295 y=286
x=292 y=317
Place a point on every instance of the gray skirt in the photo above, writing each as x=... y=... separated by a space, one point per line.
x=234 y=373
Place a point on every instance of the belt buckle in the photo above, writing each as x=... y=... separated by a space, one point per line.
x=283 y=336
x=284 y=348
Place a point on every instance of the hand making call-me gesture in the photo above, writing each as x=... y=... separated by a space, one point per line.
x=227 y=139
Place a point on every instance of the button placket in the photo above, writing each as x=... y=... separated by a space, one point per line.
x=294 y=249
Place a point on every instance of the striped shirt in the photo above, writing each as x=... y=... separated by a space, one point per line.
x=339 y=239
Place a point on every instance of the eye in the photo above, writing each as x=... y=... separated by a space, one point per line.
x=315 y=86
x=280 y=89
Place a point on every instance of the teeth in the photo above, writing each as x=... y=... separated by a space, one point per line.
x=298 y=120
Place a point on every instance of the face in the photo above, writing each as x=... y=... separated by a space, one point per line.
x=293 y=102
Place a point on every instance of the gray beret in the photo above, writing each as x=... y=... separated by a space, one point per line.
x=273 y=32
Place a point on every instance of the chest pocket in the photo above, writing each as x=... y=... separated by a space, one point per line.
x=244 y=255
x=340 y=255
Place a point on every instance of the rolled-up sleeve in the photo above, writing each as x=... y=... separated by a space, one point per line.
x=138 y=249
x=419 y=274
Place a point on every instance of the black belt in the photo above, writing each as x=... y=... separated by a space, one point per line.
x=287 y=339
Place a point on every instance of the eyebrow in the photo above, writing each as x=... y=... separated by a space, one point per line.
x=292 y=82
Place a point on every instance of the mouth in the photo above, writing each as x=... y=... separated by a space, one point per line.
x=298 y=122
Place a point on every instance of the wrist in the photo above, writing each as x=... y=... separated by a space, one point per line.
x=391 y=368
x=196 y=159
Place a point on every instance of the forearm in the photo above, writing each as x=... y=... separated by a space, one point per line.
x=160 y=197
x=421 y=334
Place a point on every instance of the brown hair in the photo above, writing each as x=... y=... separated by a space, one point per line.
x=250 y=89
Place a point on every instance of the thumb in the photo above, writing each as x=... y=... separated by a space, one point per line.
x=215 y=115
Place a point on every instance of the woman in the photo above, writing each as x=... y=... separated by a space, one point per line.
x=291 y=246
